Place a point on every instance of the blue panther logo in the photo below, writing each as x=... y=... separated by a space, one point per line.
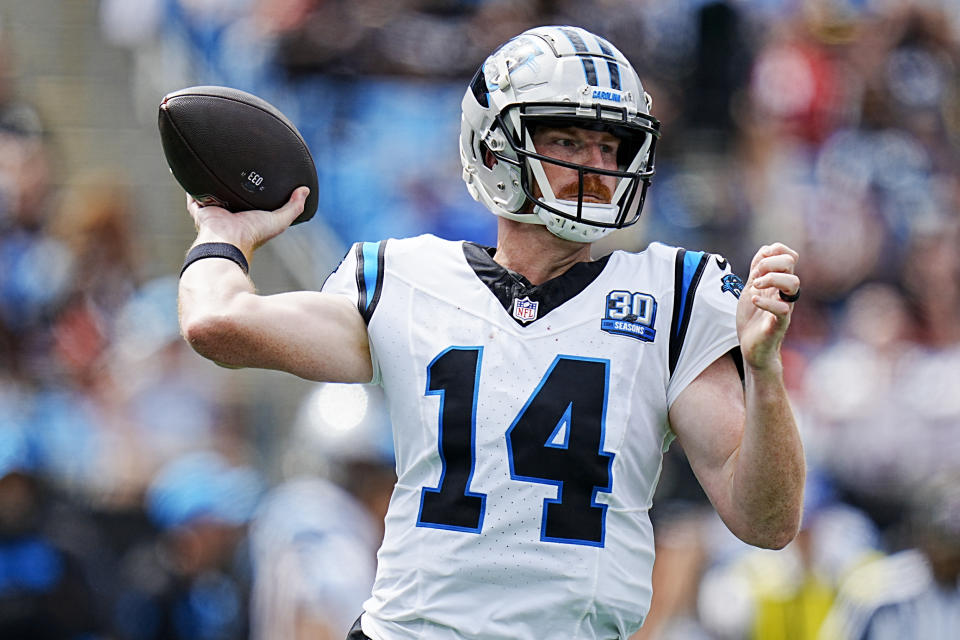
x=733 y=284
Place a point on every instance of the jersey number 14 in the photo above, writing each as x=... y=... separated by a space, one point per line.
x=557 y=439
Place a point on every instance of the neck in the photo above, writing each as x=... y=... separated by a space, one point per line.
x=534 y=252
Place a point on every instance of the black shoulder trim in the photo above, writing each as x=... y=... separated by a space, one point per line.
x=379 y=286
x=688 y=270
x=370 y=267
x=361 y=285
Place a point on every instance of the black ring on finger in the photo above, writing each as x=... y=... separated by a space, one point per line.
x=789 y=298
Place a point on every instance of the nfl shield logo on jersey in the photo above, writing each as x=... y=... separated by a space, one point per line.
x=525 y=310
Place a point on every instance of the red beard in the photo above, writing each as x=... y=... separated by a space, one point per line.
x=592 y=186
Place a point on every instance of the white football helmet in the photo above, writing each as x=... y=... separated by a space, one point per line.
x=559 y=77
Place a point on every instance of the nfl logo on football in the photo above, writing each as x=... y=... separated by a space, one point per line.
x=525 y=310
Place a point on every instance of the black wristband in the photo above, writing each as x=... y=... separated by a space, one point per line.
x=215 y=250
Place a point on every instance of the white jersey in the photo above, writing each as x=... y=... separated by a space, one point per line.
x=529 y=426
x=312 y=546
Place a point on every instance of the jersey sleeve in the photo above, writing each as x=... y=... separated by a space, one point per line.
x=704 y=325
x=359 y=277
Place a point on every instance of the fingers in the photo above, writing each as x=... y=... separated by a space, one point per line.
x=788 y=283
x=775 y=249
x=195 y=207
x=301 y=193
x=774 y=305
x=772 y=271
x=294 y=206
x=775 y=264
x=773 y=268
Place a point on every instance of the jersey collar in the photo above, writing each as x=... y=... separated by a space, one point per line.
x=508 y=286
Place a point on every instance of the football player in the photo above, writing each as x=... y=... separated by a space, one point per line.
x=532 y=390
x=314 y=538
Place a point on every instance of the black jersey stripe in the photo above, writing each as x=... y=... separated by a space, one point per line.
x=370 y=261
x=381 y=248
x=361 y=281
x=688 y=270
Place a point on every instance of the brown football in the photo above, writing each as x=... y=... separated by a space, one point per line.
x=229 y=148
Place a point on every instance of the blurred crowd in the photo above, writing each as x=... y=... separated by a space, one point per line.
x=138 y=496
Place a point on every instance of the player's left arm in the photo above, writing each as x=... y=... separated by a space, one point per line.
x=741 y=438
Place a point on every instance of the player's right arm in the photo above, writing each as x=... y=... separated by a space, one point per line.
x=314 y=335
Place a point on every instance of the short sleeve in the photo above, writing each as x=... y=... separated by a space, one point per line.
x=359 y=277
x=705 y=316
x=343 y=280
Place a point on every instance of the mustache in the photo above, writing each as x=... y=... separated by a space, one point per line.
x=592 y=186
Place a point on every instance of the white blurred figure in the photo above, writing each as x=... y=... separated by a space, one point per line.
x=315 y=537
x=855 y=399
x=913 y=593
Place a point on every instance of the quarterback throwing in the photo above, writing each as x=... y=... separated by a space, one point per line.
x=532 y=389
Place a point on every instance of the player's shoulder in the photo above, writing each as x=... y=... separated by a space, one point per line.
x=420 y=256
x=426 y=243
x=692 y=273
x=660 y=251
x=410 y=242
x=673 y=257
x=654 y=251
x=391 y=254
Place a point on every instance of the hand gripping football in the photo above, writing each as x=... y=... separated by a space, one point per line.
x=232 y=149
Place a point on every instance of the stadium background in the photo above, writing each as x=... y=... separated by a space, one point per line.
x=832 y=125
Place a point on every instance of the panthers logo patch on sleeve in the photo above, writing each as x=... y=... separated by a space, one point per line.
x=732 y=283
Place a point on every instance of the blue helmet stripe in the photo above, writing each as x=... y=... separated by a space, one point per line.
x=612 y=66
x=590 y=71
x=589 y=68
x=578 y=44
x=605 y=46
x=614 y=70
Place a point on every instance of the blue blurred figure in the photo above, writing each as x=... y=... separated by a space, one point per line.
x=191 y=583
x=45 y=592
